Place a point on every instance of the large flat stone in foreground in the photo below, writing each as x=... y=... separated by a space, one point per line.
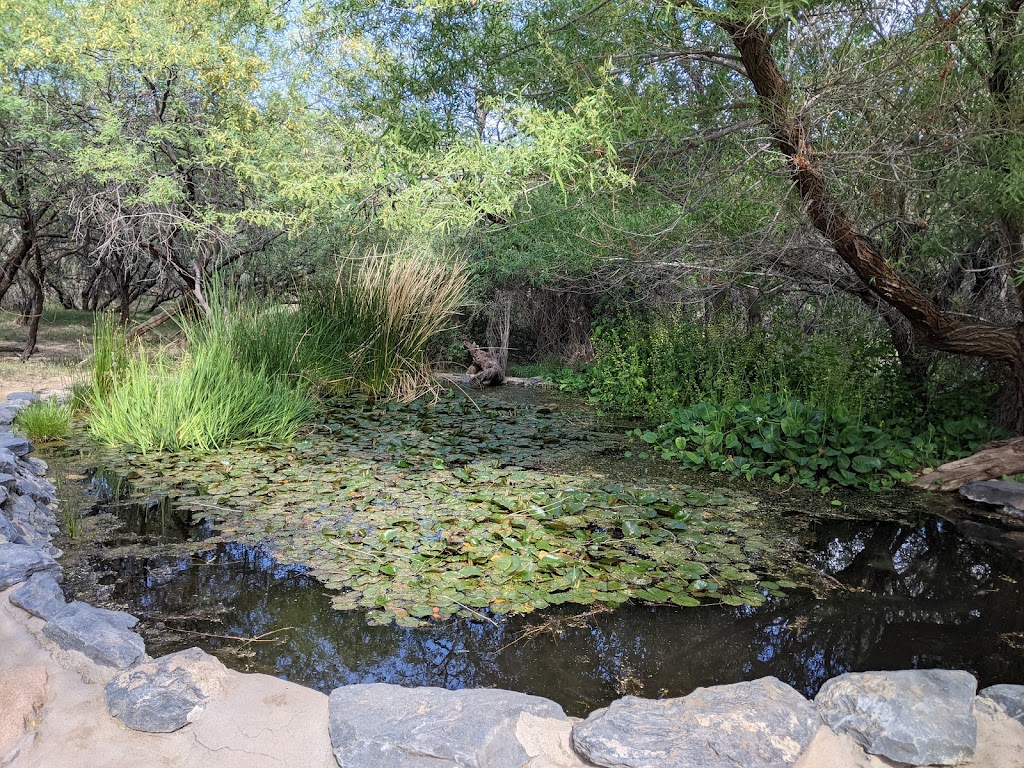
x=917 y=717
x=41 y=596
x=387 y=725
x=19 y=561
x=164 y=695
x=80 y=627
x=755 y=724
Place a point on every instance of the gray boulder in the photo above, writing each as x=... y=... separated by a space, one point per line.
x=19 y=561
x=121 y=619
x=1000 y=493
x=41 y=596
x=755 y=724
x=7 y=480
x=23 y=397
x=7 y=414
x=80 y=627
x=37 y=465
x=1010 y=699
x=7 y=530
x=36 y=488
x=19 y=446
x=378 y=724
x=164 y=695
x=918 y=717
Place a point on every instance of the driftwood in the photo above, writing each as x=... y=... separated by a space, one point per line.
x=1005 y=457
x=485 y=370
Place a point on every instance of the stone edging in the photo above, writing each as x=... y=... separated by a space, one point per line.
x=915 y=717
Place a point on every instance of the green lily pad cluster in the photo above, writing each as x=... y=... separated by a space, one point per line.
x=421 y=513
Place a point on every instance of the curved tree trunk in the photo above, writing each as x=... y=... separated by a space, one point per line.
x=932 y=326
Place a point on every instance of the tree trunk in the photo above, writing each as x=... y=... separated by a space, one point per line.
x=933 y=327
x=36 y=313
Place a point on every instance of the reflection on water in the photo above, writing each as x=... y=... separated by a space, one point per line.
x=906 y=596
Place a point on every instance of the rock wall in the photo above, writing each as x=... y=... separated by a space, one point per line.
x=914 y=717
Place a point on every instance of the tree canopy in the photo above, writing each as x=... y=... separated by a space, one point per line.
x=787 y=148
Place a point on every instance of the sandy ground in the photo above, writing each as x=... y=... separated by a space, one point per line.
x=263 y=722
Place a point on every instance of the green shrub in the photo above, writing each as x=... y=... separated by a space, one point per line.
x=781 y=438
x=368 y=332
x=203 y=401
x=45 y=420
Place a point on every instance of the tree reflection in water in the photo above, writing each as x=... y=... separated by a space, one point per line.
x=908 y=596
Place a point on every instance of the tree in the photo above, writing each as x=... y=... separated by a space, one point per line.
x=893 y=132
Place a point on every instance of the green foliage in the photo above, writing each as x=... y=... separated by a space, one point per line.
x=645 y=367
x=206 y=400
x=781 y=438
x=45 y=420
x=417 y=512
x=826 y=410
x=368 y=332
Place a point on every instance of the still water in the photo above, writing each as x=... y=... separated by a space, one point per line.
x=906 y=596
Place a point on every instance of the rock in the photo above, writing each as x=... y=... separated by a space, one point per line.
x=38 y=466
x=19 y=446
x=35 y=487
x=753 y=724
x=1009 y=698
x=80 y=627
x=8 y=532
x=19 y=561
x=7 y=414
x=22 y=696
x=547 y=741
x=1001 y=493
x=387 y=725
x=164 y=695
x=7 y=480
x=23 y=507
x=41 y=596
x=919 y=717
x=26 y=397
x=120 y=619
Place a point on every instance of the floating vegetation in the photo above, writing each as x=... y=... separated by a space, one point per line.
x=421 y=513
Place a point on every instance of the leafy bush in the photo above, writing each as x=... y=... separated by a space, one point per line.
x=781 y=438
x=45 y=420
x=646 y=367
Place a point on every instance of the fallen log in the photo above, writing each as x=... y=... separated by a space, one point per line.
x=994 y=460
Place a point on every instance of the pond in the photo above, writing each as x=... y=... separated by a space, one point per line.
x=278 y=561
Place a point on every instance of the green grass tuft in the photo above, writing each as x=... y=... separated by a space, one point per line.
x=44 y=421
x=202 y=402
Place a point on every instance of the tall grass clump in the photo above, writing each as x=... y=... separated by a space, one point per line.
x=45 y=420
x=367 y=332
x=205 y=400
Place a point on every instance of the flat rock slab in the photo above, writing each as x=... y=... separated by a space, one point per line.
x=41 y=596
x=918 y=717
x=19 y=446
x=755 y=724
x=30 y=397
x=19 y=561
x=80 y=627
x=1003 y=493
x=387 y=725
x=164 y=695
x=1009 y=698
